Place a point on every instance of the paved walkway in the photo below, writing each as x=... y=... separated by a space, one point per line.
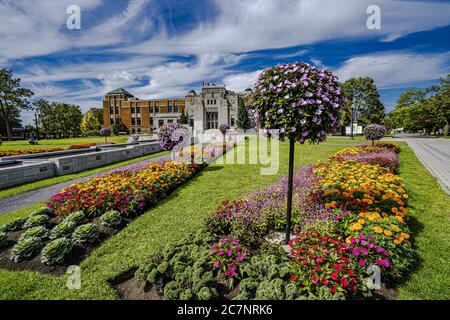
x=435 y=156
x=26 y=199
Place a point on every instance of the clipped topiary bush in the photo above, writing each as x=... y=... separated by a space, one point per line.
x=77 y=217
x=86 y=233
x=37 y=220
x=26 y=248
x=39 y=231
x=3 y=239
x=56 y=251
x=64 y=229
x=13 y=225
x=111 y=219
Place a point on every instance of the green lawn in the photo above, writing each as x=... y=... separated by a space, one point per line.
x=182 y=212
x=59 y=143
x=12 y=191
x=431 y=225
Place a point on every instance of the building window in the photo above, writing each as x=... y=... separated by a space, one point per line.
x=170 y=108
x=175 y=108
x=232 y=121
x=139 y=130
x=191 y=122
x=156 y=109
x=138 y=109
x=139 y=122
x=151 y=122
x=133 y=110
x=215 y=101
x=117 y=109
x=170 y=121
x=111 y=110
x=151 y=109
x=212 y=120
x=160 y=123
x=133 y=121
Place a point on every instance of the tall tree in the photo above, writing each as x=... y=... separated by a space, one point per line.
x=46 y=115
x=411 y=97
x=243 y=121
x=13 y=98
x=68 y=119
x=89 y=123
x=119 y=126
x=441 y=101
x=363 y=97
x=98 y=113
x=15 y=122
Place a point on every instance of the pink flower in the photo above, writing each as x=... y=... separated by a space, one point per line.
x=240 y=257
x=362 y=262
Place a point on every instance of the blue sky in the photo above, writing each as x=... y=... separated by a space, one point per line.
x=157 y=48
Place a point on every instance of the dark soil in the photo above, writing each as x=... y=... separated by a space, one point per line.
x=386 y=292
x=75 y=257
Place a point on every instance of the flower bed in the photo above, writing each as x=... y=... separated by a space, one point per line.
x=12 y=153
x=78 y=218
x=350 y=219
x=86 y=145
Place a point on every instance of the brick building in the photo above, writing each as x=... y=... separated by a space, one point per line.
x=213 y=106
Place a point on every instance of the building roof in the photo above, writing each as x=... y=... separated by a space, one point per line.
x=120 y=91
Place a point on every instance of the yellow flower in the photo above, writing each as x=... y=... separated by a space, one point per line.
x=378 y=229
x=387 y=233
x=361 y=221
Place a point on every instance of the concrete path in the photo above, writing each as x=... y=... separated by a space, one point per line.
x=26 y=199
x=435 y=156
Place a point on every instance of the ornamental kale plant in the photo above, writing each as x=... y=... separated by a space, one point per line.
x=170 y=135
x=303 y=102
x=64 y=229
x=374 y=132
x=37 y=220
x=14 y=224
x=26 y=248
x=3 y=239
x=56 y=251
x=38 y=231
x=227 y=257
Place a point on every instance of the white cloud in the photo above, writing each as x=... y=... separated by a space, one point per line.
x=241 y=81
x=243 y=26
x=396 y=69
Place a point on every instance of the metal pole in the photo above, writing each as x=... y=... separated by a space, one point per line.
x=290 y=186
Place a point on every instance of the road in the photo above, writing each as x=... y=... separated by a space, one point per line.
x=435 y=156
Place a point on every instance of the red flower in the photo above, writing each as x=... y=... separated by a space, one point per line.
x=344 y=282
x=314 y=279
x=293 y=277
x=333 y=290
x=334 y=276
x=325 y=281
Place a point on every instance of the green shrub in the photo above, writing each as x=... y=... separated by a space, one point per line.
x=86 y=233
x=111 y=219
x=56 y=251
x=64 y=229
x=34 y=221
x=26 y=248
x=3 y=239
x=38 y=231
x=77 y=217
x=14 y=224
